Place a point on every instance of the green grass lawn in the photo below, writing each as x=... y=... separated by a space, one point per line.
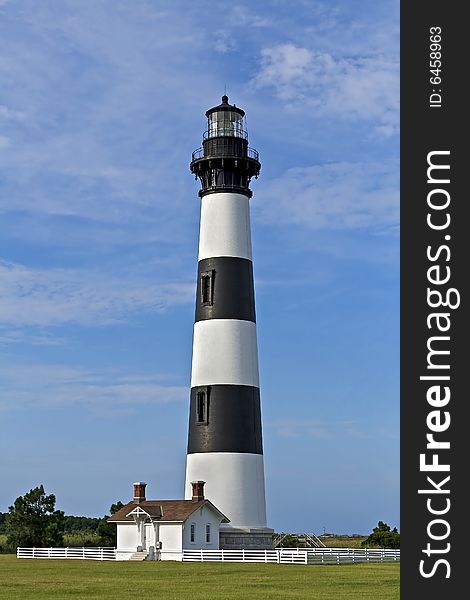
x=27 y=579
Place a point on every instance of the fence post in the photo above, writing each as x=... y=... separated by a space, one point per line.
x=101 y=553
x=243 y=554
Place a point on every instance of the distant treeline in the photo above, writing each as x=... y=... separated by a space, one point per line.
x=72 y=524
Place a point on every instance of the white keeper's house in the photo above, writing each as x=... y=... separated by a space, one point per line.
x=162 y=529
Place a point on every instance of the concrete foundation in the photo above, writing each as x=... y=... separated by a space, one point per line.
x=249 y=538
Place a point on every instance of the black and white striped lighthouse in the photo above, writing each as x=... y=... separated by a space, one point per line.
x=225 y=445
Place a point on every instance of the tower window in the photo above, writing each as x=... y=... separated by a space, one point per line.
x=202 y=406
x=207 y=288
x=208 y=533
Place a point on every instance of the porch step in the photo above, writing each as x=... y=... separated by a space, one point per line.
x=139 y=555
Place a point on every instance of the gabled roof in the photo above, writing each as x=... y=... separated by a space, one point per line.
x=164 y=510
x=139 y=511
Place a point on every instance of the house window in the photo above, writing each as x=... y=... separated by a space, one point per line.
x=208 y=533
x=207 y=288
x=192 y=535
x=202 y=406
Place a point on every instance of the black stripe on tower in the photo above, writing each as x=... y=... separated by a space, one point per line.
x=225 y=289
x=225 y=418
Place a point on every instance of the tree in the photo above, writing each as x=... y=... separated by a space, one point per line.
x=106 y=531
x=288 y=540
x=383 y=536
x=74 y=524
x=2 y=521
x=32 y=520
x=116 y=506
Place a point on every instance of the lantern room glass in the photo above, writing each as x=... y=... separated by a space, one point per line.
x=225 y=123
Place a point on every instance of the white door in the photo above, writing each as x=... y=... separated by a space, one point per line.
x=148 y=537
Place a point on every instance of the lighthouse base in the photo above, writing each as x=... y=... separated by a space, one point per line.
x=246 y=538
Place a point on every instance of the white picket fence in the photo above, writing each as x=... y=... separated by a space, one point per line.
x=302 y=556
x=299 y=556
x=79 y=553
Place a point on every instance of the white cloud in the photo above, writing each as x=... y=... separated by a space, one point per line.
x=9 y=114
x=101 y=86
x=334 y=196
x=286 y=67
x=241 y=16
x=23 y=336
x=319 y=84
x=55 y=385
x=60 y=296
x=224 y=42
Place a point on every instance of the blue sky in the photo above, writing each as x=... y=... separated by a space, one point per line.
x=101 y=104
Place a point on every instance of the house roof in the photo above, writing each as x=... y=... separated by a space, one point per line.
x=164 y=510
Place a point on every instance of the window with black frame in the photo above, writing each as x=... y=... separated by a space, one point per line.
x=207 y=288
x=202 y=406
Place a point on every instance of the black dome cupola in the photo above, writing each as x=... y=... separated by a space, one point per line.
x=225 y=163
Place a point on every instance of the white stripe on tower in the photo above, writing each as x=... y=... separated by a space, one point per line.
x=223 y=474
x=225 y=226
x=225 y=351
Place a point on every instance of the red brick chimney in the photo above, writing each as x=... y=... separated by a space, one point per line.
x=139 y=491
x=198 y=490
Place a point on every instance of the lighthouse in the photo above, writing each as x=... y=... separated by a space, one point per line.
x=225 y=447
